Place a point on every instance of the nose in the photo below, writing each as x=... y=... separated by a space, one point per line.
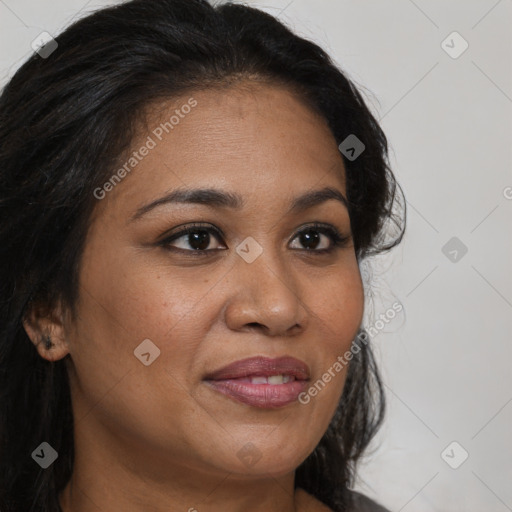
x=265 y=296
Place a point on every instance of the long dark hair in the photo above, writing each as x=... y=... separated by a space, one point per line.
x=65 y=120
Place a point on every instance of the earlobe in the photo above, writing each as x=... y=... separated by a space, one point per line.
x=52 y=351
x=47 y=334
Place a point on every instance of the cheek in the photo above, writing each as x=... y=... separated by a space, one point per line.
x=117 y=311
x=141 y=299
x=337 y=310
x=124 y=305
x=338 y=306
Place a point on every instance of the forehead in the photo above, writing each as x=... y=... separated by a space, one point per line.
x=247 y=137
x=240 y=116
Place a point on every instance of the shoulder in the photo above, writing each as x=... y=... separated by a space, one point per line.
x=362 y=503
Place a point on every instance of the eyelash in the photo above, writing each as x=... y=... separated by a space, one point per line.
x=337 y=239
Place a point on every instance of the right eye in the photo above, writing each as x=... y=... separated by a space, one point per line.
x=196 y=236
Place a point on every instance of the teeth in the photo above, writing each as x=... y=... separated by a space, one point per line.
x=273 y=379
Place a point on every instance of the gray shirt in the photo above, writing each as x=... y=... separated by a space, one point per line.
x=364 y=504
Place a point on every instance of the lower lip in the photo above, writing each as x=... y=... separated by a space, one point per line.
x=265 y=396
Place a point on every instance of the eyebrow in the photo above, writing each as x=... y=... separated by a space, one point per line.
x=222 y=199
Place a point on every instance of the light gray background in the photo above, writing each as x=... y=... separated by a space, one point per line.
x=446 y=357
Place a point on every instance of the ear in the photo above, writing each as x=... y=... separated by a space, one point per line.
x=46 y=330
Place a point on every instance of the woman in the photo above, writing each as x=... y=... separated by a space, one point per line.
x=187 y=193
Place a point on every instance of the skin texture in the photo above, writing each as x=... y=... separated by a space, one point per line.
x=157 y=438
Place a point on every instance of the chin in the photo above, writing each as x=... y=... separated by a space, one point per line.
x=273 y=461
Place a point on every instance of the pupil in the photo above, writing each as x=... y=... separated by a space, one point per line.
x=307 y=237
x=199 y=240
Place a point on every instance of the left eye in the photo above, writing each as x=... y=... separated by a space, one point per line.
x=199 y=238
x=312 y=236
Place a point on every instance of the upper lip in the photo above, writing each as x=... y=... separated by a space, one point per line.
x=262 y=366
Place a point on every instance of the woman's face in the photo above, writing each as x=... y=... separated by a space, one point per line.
x=243 y=284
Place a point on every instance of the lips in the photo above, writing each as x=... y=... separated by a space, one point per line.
x=262 y=366
x=261 y=382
